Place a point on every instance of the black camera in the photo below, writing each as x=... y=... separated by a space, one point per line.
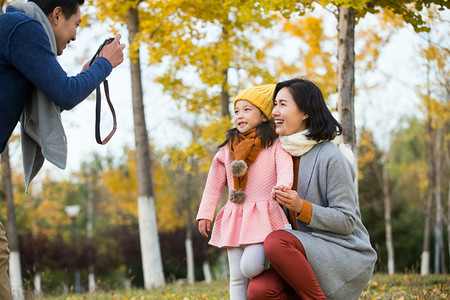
x=106 y=42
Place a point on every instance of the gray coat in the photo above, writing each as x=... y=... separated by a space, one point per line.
x=336 y=243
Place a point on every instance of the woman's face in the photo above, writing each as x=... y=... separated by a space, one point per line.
x=289 y=119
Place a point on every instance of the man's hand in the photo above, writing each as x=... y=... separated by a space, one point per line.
x=113 y=52
x=203 y=226
x=86 y=66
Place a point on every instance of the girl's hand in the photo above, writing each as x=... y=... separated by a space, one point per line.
x=289 y=199
x=204 y=226
x=280 y=188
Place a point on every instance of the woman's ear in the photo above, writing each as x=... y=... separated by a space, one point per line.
x=305 y=116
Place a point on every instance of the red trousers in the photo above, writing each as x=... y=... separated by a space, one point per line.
x=291 y=277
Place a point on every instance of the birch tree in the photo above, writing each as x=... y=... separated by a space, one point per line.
x=222 y=45
x=15 y=271
x=183 y=162
x=378 y=161
x=11 y=229
x=151 y=253
x=89 y=174
x=127 y=13
x=4 y=4
x=347 y=12
x=435 y=94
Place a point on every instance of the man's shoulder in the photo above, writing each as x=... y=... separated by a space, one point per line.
x=15 y=14
x=13 y=17
x=14 y=22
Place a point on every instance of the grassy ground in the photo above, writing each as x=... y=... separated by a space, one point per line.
x=407 y=286
x=382 y=286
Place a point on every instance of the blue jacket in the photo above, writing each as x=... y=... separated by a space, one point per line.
x=26 y=60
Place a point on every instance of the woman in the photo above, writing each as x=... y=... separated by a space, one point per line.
x=327 y=254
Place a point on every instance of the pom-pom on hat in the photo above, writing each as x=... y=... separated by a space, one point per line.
x=260 y=96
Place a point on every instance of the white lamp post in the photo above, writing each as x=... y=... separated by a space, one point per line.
x=72 y=211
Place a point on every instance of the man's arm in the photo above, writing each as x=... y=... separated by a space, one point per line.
x=30 y=53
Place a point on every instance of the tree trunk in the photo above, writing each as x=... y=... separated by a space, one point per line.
x=15 y=272
x=346 y=74
x=387 y=219
x=381 y=174
x=89 y=232
x=438 y=236
x=224 y=96
x=346 y=81
x=188 y=242
x=148 y=231
x=190 y=260
x=425 y=257
x=36 y=262
x=207 y=271
x=448 y=222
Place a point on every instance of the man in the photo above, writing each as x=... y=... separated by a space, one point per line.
x=31 y=36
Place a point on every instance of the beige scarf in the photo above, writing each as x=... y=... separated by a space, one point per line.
x=298 y=144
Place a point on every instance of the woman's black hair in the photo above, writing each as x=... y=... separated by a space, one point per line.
x=321 y=124
x=68 y=7
x=265 y=131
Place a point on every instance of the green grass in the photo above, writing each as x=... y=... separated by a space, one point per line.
x=381 y=286
x=407 y=286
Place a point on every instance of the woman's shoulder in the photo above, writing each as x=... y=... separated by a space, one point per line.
x=331 y=155
x=328 y=149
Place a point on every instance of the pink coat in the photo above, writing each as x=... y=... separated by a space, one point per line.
x=251 y=221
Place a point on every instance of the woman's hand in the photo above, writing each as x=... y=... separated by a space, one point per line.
x=288 y=198
x=204 y=226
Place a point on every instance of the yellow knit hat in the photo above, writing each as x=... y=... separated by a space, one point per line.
x=260 y=96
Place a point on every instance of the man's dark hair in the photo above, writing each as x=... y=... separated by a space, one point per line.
x=69 y=7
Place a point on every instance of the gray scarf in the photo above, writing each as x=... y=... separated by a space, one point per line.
x=42 y=132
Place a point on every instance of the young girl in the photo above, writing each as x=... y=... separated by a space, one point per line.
x=250 y=163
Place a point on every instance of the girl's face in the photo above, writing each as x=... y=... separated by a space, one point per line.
x=247 y=116
x=289 y=119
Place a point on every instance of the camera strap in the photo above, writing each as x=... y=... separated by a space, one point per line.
x=98 y=102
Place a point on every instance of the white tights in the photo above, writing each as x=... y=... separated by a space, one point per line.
x=245 y=263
